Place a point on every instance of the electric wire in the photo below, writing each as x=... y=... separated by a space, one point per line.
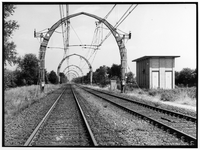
x=95 y=36
x=109 y=12
x=76 y=33
x=127 y=15
x=119 y=22
x=97 y=32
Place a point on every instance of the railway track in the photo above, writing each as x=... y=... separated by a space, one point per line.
x=63 y=125
x=180 y=125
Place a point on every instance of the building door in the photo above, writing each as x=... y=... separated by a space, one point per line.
x=155 y=79
x=168 y=79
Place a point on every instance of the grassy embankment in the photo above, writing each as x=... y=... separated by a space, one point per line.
x=17 y=99
x=178 y=96
x=182 y=96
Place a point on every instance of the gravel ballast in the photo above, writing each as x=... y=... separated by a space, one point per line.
x=131 y=130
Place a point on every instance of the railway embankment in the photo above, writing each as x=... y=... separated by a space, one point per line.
x=181 y=100
x=21 y=119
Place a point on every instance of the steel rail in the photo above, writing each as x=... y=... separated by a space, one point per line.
x=43 y=121
x=85 y=120
x=188 y=117
x=188 y=138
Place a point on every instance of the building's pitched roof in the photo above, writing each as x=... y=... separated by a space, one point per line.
x=147 y=57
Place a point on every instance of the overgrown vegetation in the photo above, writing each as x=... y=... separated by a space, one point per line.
x=17 y=99
x=174 y=94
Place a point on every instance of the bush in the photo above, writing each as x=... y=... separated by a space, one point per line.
x=168 y=95
x=152 y=92
x=174 y=94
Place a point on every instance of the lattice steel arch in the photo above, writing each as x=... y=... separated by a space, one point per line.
x=113 y=30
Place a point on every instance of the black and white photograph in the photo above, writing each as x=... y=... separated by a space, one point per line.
x=100 y=74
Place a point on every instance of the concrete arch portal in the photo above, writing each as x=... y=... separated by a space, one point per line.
x=90 y=66
x=118 y=38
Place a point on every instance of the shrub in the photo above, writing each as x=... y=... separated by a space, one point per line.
x=174 y=94
x=152 y=92
x=168 y=96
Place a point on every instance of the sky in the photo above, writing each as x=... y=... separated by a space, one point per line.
x=157 y=29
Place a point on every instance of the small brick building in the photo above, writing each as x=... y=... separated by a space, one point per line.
x=154 y=72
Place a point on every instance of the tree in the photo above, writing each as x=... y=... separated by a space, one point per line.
x=115 y=71
x=101 y=75
x=9 y=79
x=53 y=77
x=130 y=77
x=63 y=78
x=186 y=77
x=29 y=68
x=9 y=26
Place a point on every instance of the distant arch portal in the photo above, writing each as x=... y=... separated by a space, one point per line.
x=73 y=66
x=73 y=72
x=90 y=66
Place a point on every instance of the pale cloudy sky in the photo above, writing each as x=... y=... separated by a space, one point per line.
x=157 y=29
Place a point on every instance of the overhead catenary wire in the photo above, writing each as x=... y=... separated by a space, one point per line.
x=76 y=34
x=97 y=33
x=119 y=22
x=95 y=39
x=109 y=12
x=127 y=15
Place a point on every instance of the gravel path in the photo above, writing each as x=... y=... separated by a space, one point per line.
x=18 y=128
x=131 y=130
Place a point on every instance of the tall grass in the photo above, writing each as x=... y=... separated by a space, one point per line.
x=185 y=96
x=17 y=99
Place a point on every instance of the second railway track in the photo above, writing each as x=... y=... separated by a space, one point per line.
x=182 y=126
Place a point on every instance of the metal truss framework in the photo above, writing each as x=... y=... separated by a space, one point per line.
x=118 y=38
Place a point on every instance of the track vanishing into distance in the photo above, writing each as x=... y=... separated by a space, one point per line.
x=180 y=125
x=63 y=125
x=71 y=122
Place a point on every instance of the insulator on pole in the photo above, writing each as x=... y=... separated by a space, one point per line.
x=129 y=35
x=34 y=33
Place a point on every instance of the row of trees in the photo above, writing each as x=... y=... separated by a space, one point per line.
x=104 y=74
x=185 y=78
x=27 y=73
